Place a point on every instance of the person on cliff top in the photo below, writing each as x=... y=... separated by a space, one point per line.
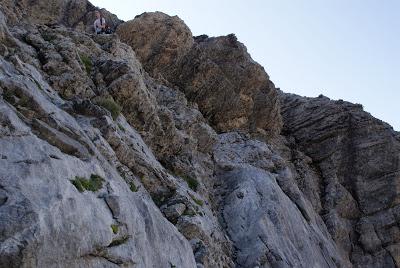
x=99 y=23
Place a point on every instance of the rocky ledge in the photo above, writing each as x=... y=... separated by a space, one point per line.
x=153 y=148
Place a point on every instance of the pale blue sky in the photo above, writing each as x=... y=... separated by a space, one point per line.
x=344 y=49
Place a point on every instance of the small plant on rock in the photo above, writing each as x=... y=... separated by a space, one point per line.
x=121 y=127
x=77 y=182
x=192 y=182
x=197 y=201
x=86 y=62
x=114 y=228
x=189 y=212
x=119 y=241
x=111 y=106
x=133 y=187
x=93 y=184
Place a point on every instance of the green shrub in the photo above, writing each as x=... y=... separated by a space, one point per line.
x=121 y=127
x=197 y=201
x=86 y=62
x=114 y=228
x=118 y=241
x=133 y=187
x=93 y=184
x=111 y=106
x=96 y=183
x=78 y=184
x=192 y=182
x=189 y=212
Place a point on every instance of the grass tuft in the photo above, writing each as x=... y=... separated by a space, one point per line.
x=118 y=241
x=192 y=182
x=78 y=184
x=189 y=212
x=197 y=201
x=121 y=127
x=114 y=228
x=111 y=106
x=133 y=187
x=86 y=62
x=93 y=184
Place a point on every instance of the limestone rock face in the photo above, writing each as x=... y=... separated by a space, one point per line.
x=232 y=91
x=265 y=214
x=167 y=150
x=159 y=40
x=358 y=160
x=47 y=221
x=221 y=69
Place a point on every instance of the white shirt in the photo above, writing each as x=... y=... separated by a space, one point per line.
x=97 y=24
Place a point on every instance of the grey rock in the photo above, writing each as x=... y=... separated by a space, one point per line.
x=113 y=204
x=173 y=212
x=262 y=217
x=357 y=158
x=198 y=169
x=45 y=220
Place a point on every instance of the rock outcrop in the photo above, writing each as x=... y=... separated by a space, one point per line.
x=357 y=157
x=232 y=91
x=160 y=41
x=168 y=150
x=77 y=14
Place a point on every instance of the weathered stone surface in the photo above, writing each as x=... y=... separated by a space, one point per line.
x=159 y=40
x=193 y=171
x=45 y=220
x=73 y=228
x=358 y=161
x=208 y=70
x=78 y=14
x=267 y=225
x=173 y=212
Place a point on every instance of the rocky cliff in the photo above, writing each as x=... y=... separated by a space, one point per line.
x=153 y=148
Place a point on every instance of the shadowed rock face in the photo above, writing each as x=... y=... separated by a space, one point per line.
x=359 y=162
x=233 y=92
x=207 y=165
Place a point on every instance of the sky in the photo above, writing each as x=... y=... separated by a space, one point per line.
x=343 y=49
